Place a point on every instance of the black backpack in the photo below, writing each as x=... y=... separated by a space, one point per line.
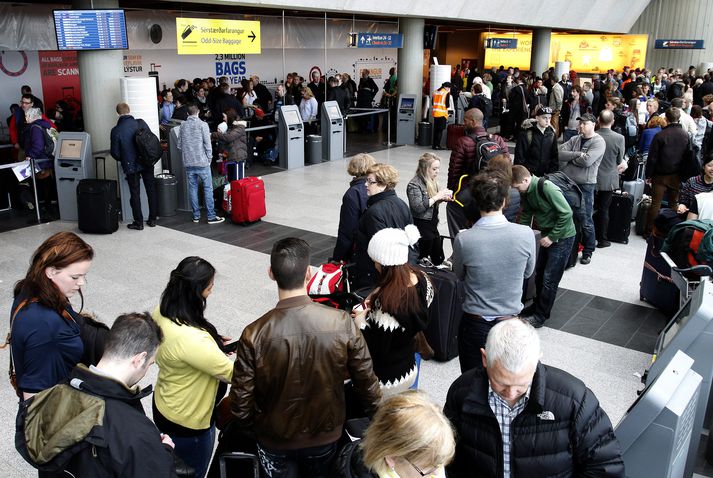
x=569 y=188
x=50 y=144
x=148 y=146
x=486 y=148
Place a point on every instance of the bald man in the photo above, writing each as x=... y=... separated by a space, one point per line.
x=608 y=174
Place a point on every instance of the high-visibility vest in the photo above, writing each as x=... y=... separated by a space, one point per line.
x=439 y=104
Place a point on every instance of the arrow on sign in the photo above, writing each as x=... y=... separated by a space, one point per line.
x=252 y=35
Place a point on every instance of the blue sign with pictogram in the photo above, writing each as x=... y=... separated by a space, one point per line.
x=678 y=44
x=380 y=40
x=501 y=43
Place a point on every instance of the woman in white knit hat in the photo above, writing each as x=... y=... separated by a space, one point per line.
x=396 y=311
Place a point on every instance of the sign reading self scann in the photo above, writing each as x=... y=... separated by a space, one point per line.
x=200 y=36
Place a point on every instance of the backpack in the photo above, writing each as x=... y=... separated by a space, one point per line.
x=690 y=243
x=485 y=149
x=148 y=146
x=569 y=188
x=50 y=137
x=484 y=104
x=631 y=129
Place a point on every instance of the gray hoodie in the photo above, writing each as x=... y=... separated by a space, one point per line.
x=194 y=143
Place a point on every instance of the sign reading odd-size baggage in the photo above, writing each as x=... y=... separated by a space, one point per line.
x=200 y=36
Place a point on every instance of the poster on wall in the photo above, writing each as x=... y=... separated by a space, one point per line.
x=59 y=71
x=378 y=70
x=586 y=53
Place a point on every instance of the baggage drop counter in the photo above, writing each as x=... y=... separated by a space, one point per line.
x=406 y=120
x=690 y=331
x=290 y=138
x=73 y=162
x=332 y=131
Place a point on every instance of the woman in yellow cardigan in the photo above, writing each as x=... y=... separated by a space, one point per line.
x=194 y=369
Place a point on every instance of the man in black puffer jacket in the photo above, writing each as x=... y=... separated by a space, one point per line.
x=552 y=423
x=536 y=147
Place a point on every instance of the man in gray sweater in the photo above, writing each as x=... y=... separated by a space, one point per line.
x=194 y=143
x=492 y=258
x=579 y=159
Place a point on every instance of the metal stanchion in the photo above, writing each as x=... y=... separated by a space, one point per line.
x=388 y=128
x=34 y=186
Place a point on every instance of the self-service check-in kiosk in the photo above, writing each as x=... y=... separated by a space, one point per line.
x=691 y=331
x=332 y=131
x=406 y=120
x=73 y=162
x=290 y=132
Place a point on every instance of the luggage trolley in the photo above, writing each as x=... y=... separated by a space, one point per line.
x=686 y=279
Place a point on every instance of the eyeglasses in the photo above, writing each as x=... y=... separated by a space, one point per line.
x=422 y=473
x=372 y=181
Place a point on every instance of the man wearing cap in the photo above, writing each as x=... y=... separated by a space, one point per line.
x=536 y=147
x=440 y=113
x=579 y=159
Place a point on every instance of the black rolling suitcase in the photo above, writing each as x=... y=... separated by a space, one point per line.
x=97 y=206
x=445 y=313
x=528 y=287
x=620 y=213
x=656 y=286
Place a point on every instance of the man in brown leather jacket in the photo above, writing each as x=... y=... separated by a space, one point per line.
x=288 y=381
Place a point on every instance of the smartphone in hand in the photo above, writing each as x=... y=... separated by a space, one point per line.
x=230 y=347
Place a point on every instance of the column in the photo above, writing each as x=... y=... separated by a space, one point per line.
x=410 y=60
x=540 y=57
x=99 y=74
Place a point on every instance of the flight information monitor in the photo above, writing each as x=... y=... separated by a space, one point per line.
x=90 y=30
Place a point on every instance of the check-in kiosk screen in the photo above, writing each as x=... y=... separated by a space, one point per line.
x=407 y=103
x=71 y=149
x=333 y=111
x=291 y=117
x=675 y=325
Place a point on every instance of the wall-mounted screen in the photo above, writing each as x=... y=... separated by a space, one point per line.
x=90 y=30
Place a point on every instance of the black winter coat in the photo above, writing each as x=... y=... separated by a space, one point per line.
x=535 y=150
x=353 y=206
x=666 y=151
x=123 y=146
x=575 y=439
x=383 y=210
x=350 y=463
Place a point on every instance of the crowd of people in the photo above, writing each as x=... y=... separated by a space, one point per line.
x=511 y=221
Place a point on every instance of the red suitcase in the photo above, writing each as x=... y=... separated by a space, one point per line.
x=248 y=200
x=454 y=131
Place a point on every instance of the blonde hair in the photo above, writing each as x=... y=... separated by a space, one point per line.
x=424 y=162
x=385 y=174
x=308 y=92
x=410 y=426
x=360 y=164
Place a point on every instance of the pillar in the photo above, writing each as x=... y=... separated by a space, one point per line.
x=410 y=60
x=99 y=74
x=540 y=56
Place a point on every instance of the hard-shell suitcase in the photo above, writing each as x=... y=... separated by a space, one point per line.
x=641 y=213
x=620 y=218
x=445 y=313
x=248 y=200
x=97 y=206
x=656 y=286
x=635 y=189
x=454 y=132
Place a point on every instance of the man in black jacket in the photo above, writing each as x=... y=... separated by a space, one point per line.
x=536 y=147
x=518 y=417
x=102 y=412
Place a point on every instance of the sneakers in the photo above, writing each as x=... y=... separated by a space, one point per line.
x=586 y=259
x=196 y=220
x=216 y=220
x=602 y=244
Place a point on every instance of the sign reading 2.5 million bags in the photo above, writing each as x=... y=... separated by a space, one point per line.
x=200 y=36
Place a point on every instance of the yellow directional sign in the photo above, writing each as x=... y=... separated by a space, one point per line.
x=200 y=36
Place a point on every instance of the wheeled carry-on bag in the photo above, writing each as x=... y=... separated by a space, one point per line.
x=445 y=313
x=656 y=286
x=635 y=187
x=247 y=200
x=620 y=218
x=98 y=205
x=454 y=131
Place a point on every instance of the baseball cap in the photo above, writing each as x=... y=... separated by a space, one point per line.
x=587 y=117
x=545 y=110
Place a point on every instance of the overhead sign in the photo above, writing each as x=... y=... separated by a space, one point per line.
x=679 y=44
x=501 y=43
x=200 y=36
x=380 y=40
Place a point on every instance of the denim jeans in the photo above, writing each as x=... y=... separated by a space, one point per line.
x=313 y=462
x=550 y=267
x=196 y=173
x=584 y=217
x=196 y=451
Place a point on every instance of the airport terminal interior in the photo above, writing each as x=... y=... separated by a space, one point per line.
x=600 y=330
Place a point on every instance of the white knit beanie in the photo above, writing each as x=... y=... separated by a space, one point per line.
x=389 y=247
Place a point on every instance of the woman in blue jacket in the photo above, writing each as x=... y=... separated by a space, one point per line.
x=353 y=205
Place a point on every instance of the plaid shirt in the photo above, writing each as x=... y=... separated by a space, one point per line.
x=505 y=415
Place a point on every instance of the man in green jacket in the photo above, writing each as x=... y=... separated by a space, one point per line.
x=554 y=219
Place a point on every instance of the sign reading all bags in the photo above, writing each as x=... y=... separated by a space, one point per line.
x=679 y=44
x=380 y=40
x=200 y=36
x=501 y=43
